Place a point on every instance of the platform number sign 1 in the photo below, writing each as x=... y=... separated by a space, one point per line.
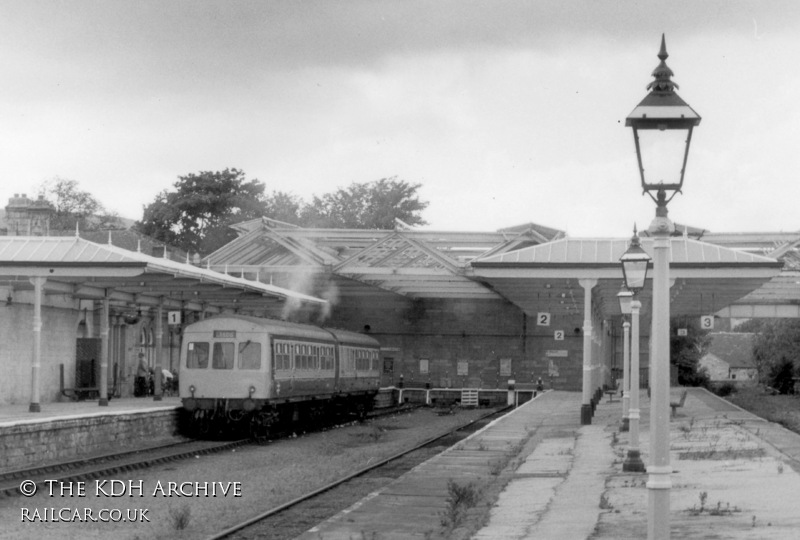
x=558 y=335
x=707 y=322
x=542 y=319
x=174 y=317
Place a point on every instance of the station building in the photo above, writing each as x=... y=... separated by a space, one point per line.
x=477 y=309
x=75 y=314
x=451 y=309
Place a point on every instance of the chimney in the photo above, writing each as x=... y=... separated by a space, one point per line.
x=27 y=217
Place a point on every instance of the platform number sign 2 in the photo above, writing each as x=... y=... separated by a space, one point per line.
x=707 y=322
x=542 y=319
x=558 y=335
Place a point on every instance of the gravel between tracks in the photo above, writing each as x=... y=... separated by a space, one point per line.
x=269 y=475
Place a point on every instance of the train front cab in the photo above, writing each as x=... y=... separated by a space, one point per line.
x=228 y=362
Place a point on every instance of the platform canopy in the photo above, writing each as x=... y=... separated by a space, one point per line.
x=404 y=261
x=546 y=278
x=89 y=271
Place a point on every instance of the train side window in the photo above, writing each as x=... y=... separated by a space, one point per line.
x=326 y=358
x=362 y=360
x=197 y=355
x=283 y=356
x=250 y=355
x=315 y=356
x=373 y=360
x=223 y=356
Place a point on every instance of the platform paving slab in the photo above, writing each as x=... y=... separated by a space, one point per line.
x=569 y=482
x=382 y=515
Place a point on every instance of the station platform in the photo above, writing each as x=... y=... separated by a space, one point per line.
x=19 y=414
x=69 y=430
x=538 y=473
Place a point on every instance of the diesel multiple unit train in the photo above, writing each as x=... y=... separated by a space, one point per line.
x=245 y=373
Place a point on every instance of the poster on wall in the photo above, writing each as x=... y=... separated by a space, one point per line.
x=552 y=369
x=423 y=366
x=463 y=367
x=505 y=367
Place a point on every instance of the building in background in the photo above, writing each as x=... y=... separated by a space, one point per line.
x=730 y=359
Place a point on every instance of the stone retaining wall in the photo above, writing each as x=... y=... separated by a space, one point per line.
x=36 y=444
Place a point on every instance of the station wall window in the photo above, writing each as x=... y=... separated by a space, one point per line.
x=250 y=355
x=223 y=356
x=197 y=355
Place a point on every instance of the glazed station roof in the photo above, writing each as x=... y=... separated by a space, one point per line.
x=86 y=270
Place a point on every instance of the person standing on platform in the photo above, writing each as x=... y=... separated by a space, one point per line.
x=143 y=372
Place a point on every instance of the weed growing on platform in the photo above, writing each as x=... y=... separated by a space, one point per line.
x=718 y=510
x=604 y=503
x=721 y=455
x=460 y=498
x=780 y=467
x=180 y=517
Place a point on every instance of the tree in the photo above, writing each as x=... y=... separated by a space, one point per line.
x=197 y=215
x=284 y=207
x=76 y=207
x=686 y=351
x=776 y=350
x=373 y=205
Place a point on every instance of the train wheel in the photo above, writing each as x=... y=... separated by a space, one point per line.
x=260 y=424
x=201 y=423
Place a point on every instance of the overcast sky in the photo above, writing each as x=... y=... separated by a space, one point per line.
x=506 y=112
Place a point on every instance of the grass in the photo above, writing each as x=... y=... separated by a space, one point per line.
x=180 y=516
x=781 y=409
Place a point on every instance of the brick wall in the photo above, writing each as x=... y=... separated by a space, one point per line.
x=479 y=332
x=16 y=353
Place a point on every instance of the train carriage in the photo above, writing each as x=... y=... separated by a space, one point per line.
x=245 y=371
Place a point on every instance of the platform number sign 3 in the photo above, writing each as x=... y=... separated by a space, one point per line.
x=542 y=319
x=707 y=322
x=174 y=317
x=558 y=335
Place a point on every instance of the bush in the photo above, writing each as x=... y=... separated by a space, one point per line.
x=781 y=376
x=725 y=389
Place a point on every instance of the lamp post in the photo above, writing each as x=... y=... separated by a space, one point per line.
x=661 y=122
x=625 y=298
x=634 y=269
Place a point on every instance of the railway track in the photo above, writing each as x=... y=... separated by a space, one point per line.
x=297 y=516
x=114 y=463
x=110 y=464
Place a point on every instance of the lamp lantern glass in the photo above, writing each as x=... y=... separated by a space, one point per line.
x=662 y=131
x=634 y=265
x=625 y=302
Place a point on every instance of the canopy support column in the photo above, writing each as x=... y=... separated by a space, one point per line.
x=38 y=286
x=157 y=394
x=586 y=405
x=104 y=323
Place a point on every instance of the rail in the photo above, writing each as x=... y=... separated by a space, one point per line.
x=269 y=513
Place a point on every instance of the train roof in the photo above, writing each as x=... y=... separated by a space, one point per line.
x=286 y=328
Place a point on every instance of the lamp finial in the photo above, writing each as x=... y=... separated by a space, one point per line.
x=663 y=83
